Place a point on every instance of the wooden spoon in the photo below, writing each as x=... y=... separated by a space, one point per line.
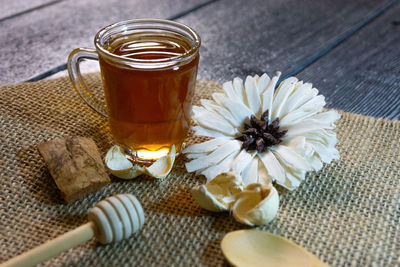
x=111 y=220
x=259 y=248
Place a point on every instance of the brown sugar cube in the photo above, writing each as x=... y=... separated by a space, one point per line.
x=75 y=165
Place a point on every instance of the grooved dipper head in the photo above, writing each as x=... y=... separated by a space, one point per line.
x=117 y=218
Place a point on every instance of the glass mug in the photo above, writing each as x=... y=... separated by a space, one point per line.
x=148 y=69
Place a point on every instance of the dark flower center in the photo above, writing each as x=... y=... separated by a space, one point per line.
x=259 y=135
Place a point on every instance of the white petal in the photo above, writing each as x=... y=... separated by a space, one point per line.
x=299 y=145
x=315 y=163
x=214 y=158
x=295 y=117
x=195 y=155
x=293 y=177
x=200 y=131
x=285 y=108
x=207 y=103
x=305 y=149
x=263 y=177
x=239 y=90
x=206 y=146
x=215 y=122
x=241 y=161
x=325 y=137
x=253 y=97
x=300 y=96
x=327 y=154
x=262 y=82
x=281 y=95
x=224 y=166
x=274 y=168
x=289 y=157
x=268 y=95
x=298 y=116
x=250 y=173
x=318 y=121
x=292 y=181
x=238 y=110
x=221 y=111
x=230 y=91
x=272 y=83
x=313 y=106
x=219 y=98
x=314 y=103
x=196 y=110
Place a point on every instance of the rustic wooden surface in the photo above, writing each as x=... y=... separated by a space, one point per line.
x=19 y=7
x=362 y=75
x=350 y=50
x=41 y=40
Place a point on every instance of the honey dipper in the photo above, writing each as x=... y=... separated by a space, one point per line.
x=111 y=220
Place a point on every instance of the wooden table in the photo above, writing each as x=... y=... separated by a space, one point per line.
x=350 y=50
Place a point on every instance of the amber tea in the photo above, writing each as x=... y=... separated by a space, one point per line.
x=148 y=69
x=149 y=109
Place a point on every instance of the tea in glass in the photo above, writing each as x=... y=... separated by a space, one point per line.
x=148 y=69
x=149 y=109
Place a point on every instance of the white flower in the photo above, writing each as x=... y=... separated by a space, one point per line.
x=308 y=142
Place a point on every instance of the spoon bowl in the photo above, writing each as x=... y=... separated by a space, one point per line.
x=259 y=248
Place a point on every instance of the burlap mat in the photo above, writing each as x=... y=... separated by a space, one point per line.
x=346 y=214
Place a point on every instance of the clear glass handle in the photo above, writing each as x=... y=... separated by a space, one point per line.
x=75 y=57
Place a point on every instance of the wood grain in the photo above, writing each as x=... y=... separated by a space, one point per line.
x=237 y=40
x=363 y=74
x=235 y=45
x=20 y=7
x=266 y=36
x=42 y=39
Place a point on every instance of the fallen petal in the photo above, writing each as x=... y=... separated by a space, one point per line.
x=163 y=166
x=256 y=205
x=120 y=166
x=220 y=193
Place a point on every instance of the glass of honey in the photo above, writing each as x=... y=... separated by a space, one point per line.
x=148 y=69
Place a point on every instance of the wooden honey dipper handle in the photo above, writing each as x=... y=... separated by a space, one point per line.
x=111 y=220
x=54 y=247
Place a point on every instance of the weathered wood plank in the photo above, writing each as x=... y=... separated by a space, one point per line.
x=268 y=36
x=42 y=39
x=265 y=36
x=16 y=7
x=363 y=75
x=235 y=45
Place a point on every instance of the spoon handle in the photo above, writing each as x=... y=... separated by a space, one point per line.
x=53 y=247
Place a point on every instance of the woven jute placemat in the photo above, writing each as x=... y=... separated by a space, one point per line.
x=347 y=214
